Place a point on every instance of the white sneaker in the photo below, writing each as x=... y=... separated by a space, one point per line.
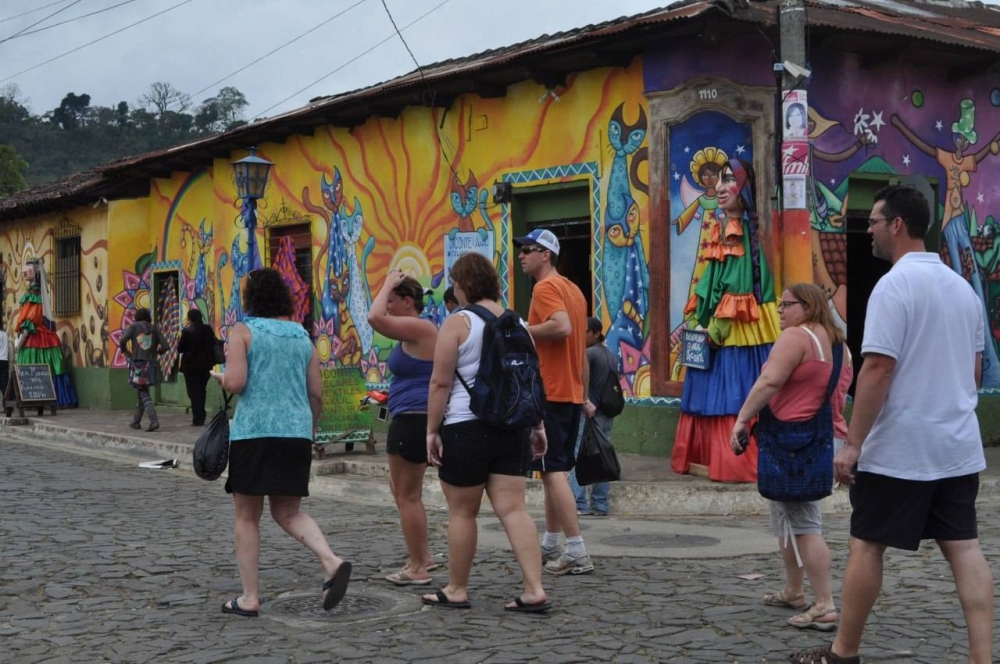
x=567 y=564
x=551 y=554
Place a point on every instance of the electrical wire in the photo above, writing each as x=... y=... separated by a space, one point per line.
x=287 y=43
x=352 y=60
x=22 y=31
x=110 y=34
x=32 y=11
x=70 y=20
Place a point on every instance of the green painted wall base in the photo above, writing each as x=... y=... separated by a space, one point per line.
x=988 y=411
x=646 y=430
x=108 y=389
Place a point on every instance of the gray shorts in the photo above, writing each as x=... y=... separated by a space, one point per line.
x=804 y=518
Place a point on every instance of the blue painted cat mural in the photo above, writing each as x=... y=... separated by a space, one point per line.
x=625 y=275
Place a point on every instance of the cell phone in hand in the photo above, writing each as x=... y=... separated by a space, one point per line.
x=744 y=441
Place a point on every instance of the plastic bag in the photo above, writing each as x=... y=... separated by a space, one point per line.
x=597 y=461
x=211 y=451
x=219 y=351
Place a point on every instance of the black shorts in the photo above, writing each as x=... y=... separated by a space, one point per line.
x=900 y=513
x=408 y=437
x=473 y=451
x=270 y=467
x=562 y=424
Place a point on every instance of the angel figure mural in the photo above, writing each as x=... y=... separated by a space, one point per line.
x=37 y=342
x=700 y=205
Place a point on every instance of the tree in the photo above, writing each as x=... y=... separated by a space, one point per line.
x=163 y=97
x=228 y=107
x=122 y=112
x=12 y=168
x=71 y=112
x=13 y=105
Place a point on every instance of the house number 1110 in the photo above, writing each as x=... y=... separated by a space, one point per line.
x=709 y=93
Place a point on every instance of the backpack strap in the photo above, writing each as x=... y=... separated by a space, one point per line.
x=488 y=317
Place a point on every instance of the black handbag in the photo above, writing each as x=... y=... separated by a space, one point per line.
x=612 y=397
x=597 y=461
x=219 y=351
x=795 y=459
x=211 y=450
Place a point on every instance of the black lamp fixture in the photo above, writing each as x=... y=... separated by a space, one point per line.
x=251 y=174
x=502 y=192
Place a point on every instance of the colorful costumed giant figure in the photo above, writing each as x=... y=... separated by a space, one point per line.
x=37 y=342
x=734 y=302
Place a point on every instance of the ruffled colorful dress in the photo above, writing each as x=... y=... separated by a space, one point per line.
x=42 y=345
x=734 y=301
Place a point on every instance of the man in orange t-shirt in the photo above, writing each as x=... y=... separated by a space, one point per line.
x=557 y=321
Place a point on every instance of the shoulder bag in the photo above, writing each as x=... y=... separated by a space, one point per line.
x=795 y=459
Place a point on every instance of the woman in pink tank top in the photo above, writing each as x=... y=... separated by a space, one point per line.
x=793 y=384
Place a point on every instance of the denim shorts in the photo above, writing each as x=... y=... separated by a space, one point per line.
x=472 y=451
x=562 y=424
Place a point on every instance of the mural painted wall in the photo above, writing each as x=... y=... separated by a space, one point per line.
x=84 y=336
x=409 y=192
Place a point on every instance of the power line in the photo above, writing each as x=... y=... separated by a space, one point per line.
x=70 y=20
x=22 y=31
x=32 y=11
x=287 y=43
x=352 y=60
x=110 y=34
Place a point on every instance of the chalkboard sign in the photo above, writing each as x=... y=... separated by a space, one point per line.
x=34 y=381
x=695 y=352
x=346 y=416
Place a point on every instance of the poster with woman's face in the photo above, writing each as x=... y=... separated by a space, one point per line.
x=796 y=118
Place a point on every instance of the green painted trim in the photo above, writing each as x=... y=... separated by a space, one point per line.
x=646 y=430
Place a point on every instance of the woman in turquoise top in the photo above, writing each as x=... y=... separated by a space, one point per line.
x=273 y=366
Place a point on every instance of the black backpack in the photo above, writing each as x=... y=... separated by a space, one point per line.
x=612 y=398
x=507 y=392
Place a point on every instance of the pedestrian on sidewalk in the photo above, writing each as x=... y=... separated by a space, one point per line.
x=4 y=362
x=141 y=344
x=395 y=314
x=272 y=365
x=557 y=320
x=472 y=456
x=794 y=384
x=602 y=365
x=914 y=452
x=197 y=349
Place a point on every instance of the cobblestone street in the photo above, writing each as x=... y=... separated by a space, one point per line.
x=103 y=561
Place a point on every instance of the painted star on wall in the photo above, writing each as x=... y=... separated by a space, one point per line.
x=687 y=150
x=740 y=149
x=877 y=121
x=677 y=176
x=980 y=198
x=906 y=160
x=939 y=125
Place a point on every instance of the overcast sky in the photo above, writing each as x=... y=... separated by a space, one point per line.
x=195 y=43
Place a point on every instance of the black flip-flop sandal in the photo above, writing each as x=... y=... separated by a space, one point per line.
x=524 y=607
x=445 y=602
x=233 y=607
x=337 y=586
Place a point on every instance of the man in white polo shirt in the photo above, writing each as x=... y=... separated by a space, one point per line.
x=914 y=451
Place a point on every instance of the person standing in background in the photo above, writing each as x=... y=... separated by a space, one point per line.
x=197 y=348
x=4 y=360
x=602 y=364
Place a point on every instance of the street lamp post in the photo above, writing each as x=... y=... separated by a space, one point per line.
x=250 y=174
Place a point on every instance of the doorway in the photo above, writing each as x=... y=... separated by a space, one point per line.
x=564 y=209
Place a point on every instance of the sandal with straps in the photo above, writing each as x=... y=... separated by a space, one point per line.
x=810 y=619
x=822 y=655
x=797 y=602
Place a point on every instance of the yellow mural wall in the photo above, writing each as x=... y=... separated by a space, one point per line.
x=84 y=335
x=393 y=191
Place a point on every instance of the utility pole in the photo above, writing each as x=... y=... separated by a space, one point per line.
x=793 y=127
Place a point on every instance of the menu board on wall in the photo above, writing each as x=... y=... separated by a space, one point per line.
x=346 y=416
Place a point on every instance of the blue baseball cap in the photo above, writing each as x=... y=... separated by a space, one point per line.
x=543 y=237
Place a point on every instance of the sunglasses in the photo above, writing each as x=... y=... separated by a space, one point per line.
x=530 y=250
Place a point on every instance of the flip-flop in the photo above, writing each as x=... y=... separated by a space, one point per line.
x=524 y=607
x=403 y=578
x=337 y=586
x=444 y=602
x=233 y=607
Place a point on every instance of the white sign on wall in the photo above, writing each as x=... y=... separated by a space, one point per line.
x=457 y=245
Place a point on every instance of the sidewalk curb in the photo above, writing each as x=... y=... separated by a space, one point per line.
x=367 y=481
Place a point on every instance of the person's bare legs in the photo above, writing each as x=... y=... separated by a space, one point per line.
x=285 y=512
x=560 y=505
x=246 y=533
x=794 y=575
x=407 y=482
x=506 y=494
x=862 y=584
x=463 y=508
x=816 y=564
x=974 y=583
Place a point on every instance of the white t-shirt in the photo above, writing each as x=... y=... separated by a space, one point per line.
x=930 y=320
x=4 y=347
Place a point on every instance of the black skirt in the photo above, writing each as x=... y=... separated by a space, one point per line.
x=269 y=467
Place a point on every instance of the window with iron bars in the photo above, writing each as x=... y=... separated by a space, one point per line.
x=67 y=276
